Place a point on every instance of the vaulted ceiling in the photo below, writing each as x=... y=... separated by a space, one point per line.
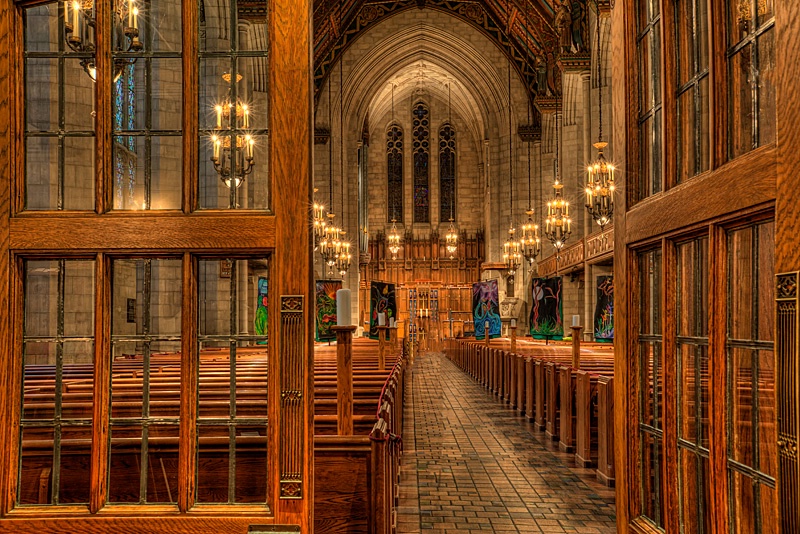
x=522 y=29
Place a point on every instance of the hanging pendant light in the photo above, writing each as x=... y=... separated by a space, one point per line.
x=451 y=238
x=393 y=238
x=558 y=225
x=529 y=241
x=330 y=233
x=80 y=25
x=318 y=220
x=342 y=255
x=600 y=174
x=512 y=256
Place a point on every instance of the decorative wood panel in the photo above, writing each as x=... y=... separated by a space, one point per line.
x=600 y=245
x=787 y=348
x=293 y=339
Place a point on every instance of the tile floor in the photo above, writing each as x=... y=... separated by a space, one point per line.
x=472 y=464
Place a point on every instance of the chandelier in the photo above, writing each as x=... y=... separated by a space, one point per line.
x=341 y=247
x=451 y=239
x=318 y=219
x=342 y=258
x=394 y=240
x=330 y=243
x=79 y=32
x=558 y=225
x=600 y=188
x=512 y=257
x=233 y=160
x=600 y=174
x=529 y=241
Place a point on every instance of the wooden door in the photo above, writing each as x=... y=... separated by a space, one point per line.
x=176 y=405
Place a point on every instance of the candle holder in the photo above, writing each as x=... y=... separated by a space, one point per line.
x=80 y=26
x=233 y=152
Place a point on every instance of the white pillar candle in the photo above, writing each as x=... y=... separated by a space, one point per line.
x=343 y=310
x=513 y=323
x=381 y=319
x=576 y=320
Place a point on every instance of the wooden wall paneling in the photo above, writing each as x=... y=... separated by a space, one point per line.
x=11 y=345
x=291 y=266
x=718 y=404
x=669 y=405
x=191 y=128
x=787 y=254
x=102 y=384
x=8 y=162
x=624 y=121
x=102 y=122
x=143 y=231
x=669 y=87
x=13 y=65
x=718 y=88
x=187 y=459
x=708 y=196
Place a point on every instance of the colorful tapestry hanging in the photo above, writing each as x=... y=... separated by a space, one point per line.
x=486 y=307
x=326 y=309
x=604 y=310
x=262 y=309
x=546 y=318
x=382 y=300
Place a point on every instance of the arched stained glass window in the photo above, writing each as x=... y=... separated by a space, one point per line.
x=394 y=159
x=421 y=123
x=447 y=173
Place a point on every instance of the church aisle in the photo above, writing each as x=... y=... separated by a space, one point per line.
x=471 y=464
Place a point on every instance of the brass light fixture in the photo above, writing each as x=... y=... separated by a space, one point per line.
x=558 y=225
x=600 y=174
x=342 y=255
x=330 y=232
x=529 y=241
x=393 y=238
x=451 y=238
x=233 y=155
x=512 y=257
x=80 y=25
x=318 y=219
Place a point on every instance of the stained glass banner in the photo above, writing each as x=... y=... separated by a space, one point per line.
x=604 y=310
x=382 y=300
x=486 y=307
x=546 y=319
x=326 y=309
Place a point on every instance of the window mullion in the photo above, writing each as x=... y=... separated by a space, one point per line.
x=187 y=453
x=102 y=390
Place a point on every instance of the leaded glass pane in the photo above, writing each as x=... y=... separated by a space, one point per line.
x=233 y=104
x=59 y=114
x=421 y=163
x=447 y=173
x=394 y=170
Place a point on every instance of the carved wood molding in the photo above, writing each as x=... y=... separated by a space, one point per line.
x=566 y=262
x=292 y=341
x=600 y=244
x=787 y=348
